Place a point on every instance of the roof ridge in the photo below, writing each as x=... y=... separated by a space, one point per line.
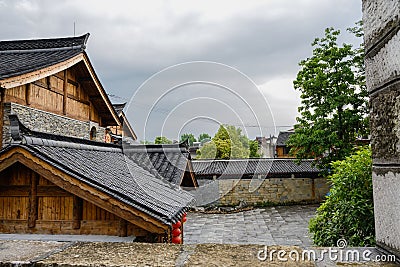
x=37 y=141
x=44 y=44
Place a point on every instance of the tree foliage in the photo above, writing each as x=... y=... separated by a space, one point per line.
x=162 y=140
x=334 y=104
x=227 y=143
x=188 y=136
x=348 y=212
x=203 y=137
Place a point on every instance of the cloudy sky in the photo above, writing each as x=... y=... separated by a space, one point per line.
x=132 y=40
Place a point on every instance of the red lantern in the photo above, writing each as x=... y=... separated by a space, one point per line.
x=184 y=219
x=177 y=224
x=176 y=232
x=176 y=240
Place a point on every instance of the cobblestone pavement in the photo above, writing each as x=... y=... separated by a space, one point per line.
x=283 y=225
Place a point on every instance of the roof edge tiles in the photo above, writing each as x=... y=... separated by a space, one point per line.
x=35 y=45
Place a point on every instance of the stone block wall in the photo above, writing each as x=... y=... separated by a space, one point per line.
x=42 y=121
x=382 y=62
x=272 y=190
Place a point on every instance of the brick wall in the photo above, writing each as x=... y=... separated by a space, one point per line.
x=382 y=60
x=47 y=122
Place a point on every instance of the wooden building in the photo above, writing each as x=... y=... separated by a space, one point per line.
x=58 y=174
x=282 y=149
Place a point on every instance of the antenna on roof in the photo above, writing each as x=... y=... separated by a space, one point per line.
x=74 y=28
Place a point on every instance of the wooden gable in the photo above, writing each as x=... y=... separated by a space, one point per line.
x=37 y=197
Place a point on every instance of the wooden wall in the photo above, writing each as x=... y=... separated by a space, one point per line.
x=56 y=212
x=283 y=152
x=48 y=94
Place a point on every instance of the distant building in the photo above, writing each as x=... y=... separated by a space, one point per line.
x=266 y=146
x=282 y=150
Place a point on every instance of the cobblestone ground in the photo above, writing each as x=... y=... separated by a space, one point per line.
x=284 y=225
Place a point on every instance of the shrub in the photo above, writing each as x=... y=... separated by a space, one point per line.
x=348 y=211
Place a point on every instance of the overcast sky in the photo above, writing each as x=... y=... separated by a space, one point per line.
x=132 y=40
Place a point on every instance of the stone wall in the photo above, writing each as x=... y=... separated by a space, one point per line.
x=271 y=190
x=42 y=121
x=382 y=62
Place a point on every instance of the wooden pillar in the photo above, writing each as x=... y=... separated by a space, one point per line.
x=123 y=228
x=313 y=188
x=28 y=93
x=2 y=100
x=33 y=201
x=77 y=212
x=65 y=89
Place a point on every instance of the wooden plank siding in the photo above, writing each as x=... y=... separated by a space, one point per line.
x=58 y=212
x=48 y=94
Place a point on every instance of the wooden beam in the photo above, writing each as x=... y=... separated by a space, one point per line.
x=65 y=90
x=123 y=228
x=2 y=100
x=42 y=191
x=77 y=212
x=33 y=201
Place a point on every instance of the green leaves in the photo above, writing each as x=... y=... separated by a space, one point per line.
x=334 y=103
x=229 y=142
x=348 y=212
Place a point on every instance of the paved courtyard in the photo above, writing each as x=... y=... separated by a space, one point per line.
x=283 y=225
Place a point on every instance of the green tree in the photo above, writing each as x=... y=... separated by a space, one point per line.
x=188 y=136
x=203 y=137
x=348 y=211
x=228 y=142
x=334 y=104
x=162 y=140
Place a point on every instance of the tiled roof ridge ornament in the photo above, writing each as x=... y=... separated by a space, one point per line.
x=42 y=45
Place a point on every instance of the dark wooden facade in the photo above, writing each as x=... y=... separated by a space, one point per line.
x=29 y=203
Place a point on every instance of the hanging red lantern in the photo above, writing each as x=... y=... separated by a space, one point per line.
x=176 y=240
x=176 y=232
x=177 y=224
x=184 y=219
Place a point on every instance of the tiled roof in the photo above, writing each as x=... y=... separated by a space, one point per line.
x=168 y=161
x=105 y=167
x=250 y=167
x=24 y=56
x=283 y=137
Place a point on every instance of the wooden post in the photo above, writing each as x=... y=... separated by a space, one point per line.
x=65 y=88
x=2 y=100
x=77 y=212
x=28 y=93
x=313 y=188
x=123 y=228
x=33 y=201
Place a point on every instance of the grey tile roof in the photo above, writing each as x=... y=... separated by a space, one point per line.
x=24 y=56
x=283 y=137
x=250 y=167
x=167 y=161
x=105 y=167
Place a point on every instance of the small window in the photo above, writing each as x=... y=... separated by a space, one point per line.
x=93 y=133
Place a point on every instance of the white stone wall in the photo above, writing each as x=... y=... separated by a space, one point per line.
x=377 y=14
x=387 y=208
x=385 y=65
x=382 y=42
